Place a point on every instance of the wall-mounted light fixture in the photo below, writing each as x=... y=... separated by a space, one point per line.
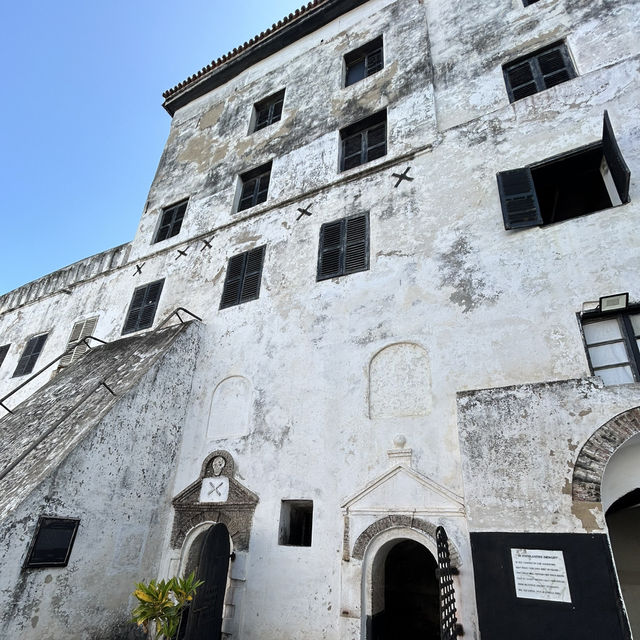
x=615 y=302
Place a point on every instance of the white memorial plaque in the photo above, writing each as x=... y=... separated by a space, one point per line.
x=214 y=489
x=540 y=575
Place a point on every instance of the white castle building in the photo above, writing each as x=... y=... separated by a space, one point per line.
x=384 y=288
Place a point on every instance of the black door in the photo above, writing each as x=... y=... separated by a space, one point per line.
x=205 y=614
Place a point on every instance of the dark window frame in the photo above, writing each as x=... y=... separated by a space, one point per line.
x=364 y=61
x=359 y=135
x=529 y=69
x=528 y=2
x=254 y=186
x=29 y=563
x=296 y=523
x=143 y=307
x=30 y=354
x=171 y=221
x=4 y=350
x=243 y=278
x=628 y=337
x=267 y=111
x=342 y=256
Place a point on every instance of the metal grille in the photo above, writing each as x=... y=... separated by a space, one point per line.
x=449 y=627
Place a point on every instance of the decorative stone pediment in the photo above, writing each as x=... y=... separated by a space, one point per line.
x=215 y=496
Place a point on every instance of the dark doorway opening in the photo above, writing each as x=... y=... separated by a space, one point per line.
x=411 y=599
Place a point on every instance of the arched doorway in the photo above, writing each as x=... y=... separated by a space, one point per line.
x=621 y=503
x=405 y=602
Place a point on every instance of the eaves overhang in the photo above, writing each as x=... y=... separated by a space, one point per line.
x=296 y=26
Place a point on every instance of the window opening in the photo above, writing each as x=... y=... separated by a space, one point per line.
x=528 y=2
x=142 y=309
x=363 y=62
x=364 y=141
x=343 y=247
x=171 y=221
x=242 y=282
x=574 y=184
x=538 y=71
x=612 y=342
x=296 y=521
x=30 y=355
x=52 y=543
x=80 y=330
x=268 y=111
x=254 y=186
x=4 y=349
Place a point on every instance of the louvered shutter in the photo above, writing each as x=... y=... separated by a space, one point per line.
x=330 y=250
x=30 y=355
x=356 y=252
x=618 y=167
x=233 y=281
x=555 y=66
x=134 y=310
x=520 y=81
x=80 y=330
x=3 y=352
x=252 y=275
x=520 y=207
x=151 y=300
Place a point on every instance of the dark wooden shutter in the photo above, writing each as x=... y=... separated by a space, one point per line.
x=555 y=66
x=520 y=208
x=330 y=250
x=143 y=307
x=618 y=167
x=205 y=614
x=356 y=252
x=252 y=275
x=520 y=80
x=4 y=349
x=233 y=281
x=30 y=355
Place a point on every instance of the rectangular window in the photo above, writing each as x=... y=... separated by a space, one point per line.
x=528 y=2
x=588 y=179
x=612 y=342
x=142 y=309
x=242 y=282
x=364 y=141
x=344 y=247
x=52 y=543
x=4 y=349
x=171 y=221
x=80 y=330
x=30 y=355
x=254 y=186
x=268 y=111
x=538 y=71
x=296 y=523
x=363 y=62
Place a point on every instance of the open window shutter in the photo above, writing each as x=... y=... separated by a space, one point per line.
x=150 y=304
x=252 y=275
x=137 y=301
x=618 y=167
x=329 y=254
x=356 y=254
x=520 y=207
x=3 y=352
x=233 y=281
x=76 y=334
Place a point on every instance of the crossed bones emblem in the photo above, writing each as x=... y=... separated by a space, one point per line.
x=213 y=488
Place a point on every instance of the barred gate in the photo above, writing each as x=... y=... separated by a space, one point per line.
x=449 y=627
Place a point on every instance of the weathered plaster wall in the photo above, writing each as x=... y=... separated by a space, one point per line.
x=116 y=481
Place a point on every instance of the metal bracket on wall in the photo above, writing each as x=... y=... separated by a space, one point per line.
x=402 y=176
x=206 y=244
x=139 y=268
x=181 y=253
x=303 y=212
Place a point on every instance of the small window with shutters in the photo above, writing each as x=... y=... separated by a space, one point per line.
x=242 y=282
x=4 y=349
x=538 y=71
x=573 y=184
x=268 y=111
x=52 y=543
x=171 y=221
x=363 y=141
x=344 y=247
x=30 y=355
x=363 y=62
x=142 y=309
x=75 y=348
x=254 y=186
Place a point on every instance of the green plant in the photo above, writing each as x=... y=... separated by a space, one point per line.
x=161 y=604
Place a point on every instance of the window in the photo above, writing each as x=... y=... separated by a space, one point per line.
x=296 y=520
x=364 y=141
x=171 y=221
x=80 y=330
x=568 y=186
x=52 y=543
x=612 y=341
x=30 y=355
x=528 y=2
x=143 y=307
x=363 y=62
x=538 y=71
x=3 y=352
x=268 y=111
x=244 y=273
x=254 y=186
x=344 y=247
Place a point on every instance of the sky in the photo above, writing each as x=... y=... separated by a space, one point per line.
x=82 y=126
